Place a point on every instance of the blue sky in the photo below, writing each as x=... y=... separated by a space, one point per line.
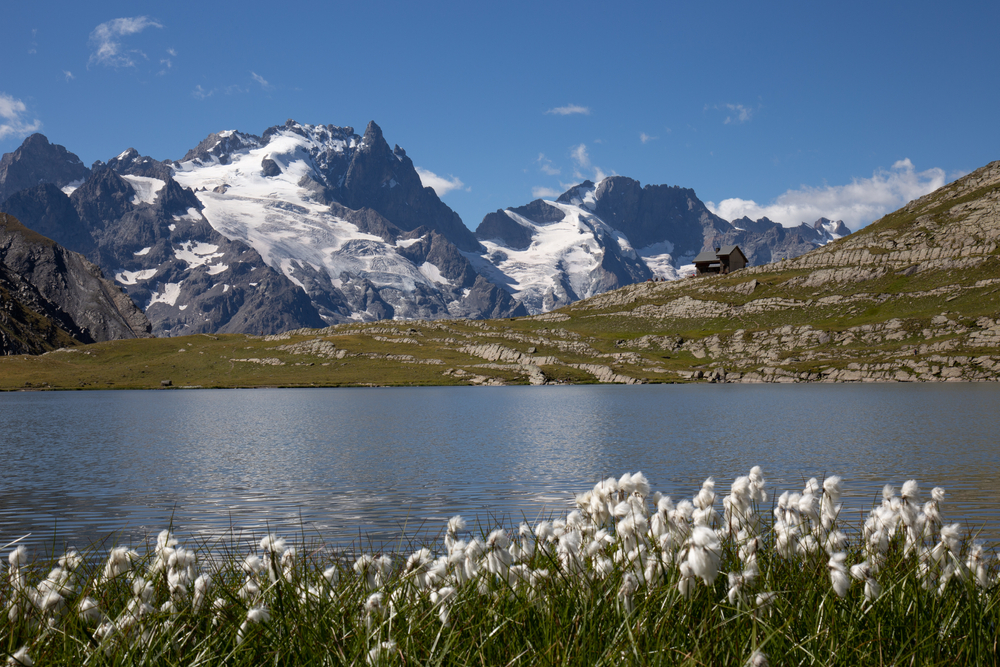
x=792 y=110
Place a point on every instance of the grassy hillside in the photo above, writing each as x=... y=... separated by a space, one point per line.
x=913 y=297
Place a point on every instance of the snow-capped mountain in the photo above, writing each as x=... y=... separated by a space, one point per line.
x=343 y=217
x=308 y=225
x=549 y=254
x=598 y=237
x=303 y=226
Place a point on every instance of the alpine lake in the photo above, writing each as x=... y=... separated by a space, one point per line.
x=384 y=468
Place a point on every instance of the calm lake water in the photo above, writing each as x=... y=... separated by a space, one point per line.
x=350 y=465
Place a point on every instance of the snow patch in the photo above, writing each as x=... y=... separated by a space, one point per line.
x=146 y=188
x=184 y=307
x=216 y=269
x=406 y=243
x=70 y=187
x=197 y=254
x=433 y=273
x=660 y=260
x=133 y=277
x=169 y=295
x=144 y=251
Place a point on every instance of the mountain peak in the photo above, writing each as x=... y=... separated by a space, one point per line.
x=38 y=161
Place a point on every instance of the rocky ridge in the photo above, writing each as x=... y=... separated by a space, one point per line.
x=311 y=225
x=51 y=297
x=599 y=237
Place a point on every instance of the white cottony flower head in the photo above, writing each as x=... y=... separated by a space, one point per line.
x=625 y=484
x=757 y=659
x=273 y=544
x=456 y=524
x=706 y=496
x=71 y=560
x=765 y=601
x=685 y=585
x=757 y=483
x=937 y=493
x=201 y=587
x=832 y=489
x=89 y=612
x=381 y=652
x=910 y=493
x=951 y=537
x=704 y=553
x=253 y=565
x=22 y=658
x=640 y=485
x=838 y=573
x=255 y=615
x=626 y=591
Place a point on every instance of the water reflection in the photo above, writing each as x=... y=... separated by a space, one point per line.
x=341 y=463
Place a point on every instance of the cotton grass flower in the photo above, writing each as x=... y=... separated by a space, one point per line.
x=382 y=652
x=863 y=572
x=643 y=541
x=255 y=616
x=839 y=578
x=704 y=554
x=21 y=657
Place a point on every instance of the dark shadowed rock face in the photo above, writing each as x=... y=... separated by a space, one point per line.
x=69 y=291
x=503 y=229
x=657 y=213
x=51 y=214
x=184 y=274
x=37 y=161
x=493 y=301
x=132 y=164
x=386 y=181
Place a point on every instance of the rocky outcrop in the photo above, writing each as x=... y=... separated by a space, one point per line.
x=408 y=204
x=186 y=276
x=65 y=289
x=37 y=161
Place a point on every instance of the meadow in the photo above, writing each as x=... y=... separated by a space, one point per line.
x=628 y=577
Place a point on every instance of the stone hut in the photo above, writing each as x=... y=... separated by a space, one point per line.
x=721 y=260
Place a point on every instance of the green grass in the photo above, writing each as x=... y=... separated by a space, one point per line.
x=914 y=299
x=542 y=610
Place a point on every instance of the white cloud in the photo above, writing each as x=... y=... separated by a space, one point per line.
x=736 y=114
x=582 y=160
x=545 y=165
x=439 y=184
x=645 y=138
x=569 y=109
x=261 y=80
x=858 y=203
x=69 y=75
x=200 y=93
x=106 y=41
x=544 y=193
x=13 y=118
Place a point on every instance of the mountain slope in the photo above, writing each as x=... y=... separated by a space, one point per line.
x=52 y=296
x=599 y=237
x=309 y=225
x=258 y=234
